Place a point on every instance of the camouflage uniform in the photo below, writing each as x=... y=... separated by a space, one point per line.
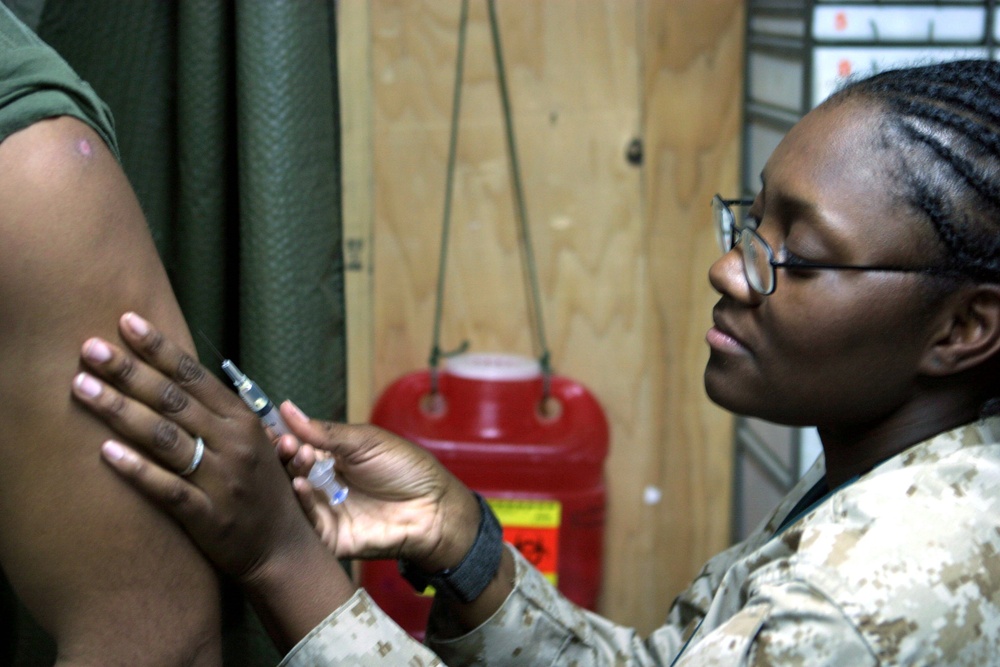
x=900 y=567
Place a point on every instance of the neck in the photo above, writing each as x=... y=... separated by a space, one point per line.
x=854 y=450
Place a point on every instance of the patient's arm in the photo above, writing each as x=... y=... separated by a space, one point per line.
x=111 y=578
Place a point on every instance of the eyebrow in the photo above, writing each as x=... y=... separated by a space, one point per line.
x=794 y=205
x=798 y=207
x=790 y=207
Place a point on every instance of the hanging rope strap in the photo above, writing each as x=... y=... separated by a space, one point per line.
x=528 y=256
x=456 y=104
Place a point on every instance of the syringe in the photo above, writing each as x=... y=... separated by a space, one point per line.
x=322 y=475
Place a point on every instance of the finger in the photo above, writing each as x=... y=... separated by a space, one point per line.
x=297 y=458
x=182 y=500
x=303 y=461
x=161 y=438
x=341 y=440
x=307 y=497
x=138 y=382
x=322 y=523
x=287 y=446
x=175 y=363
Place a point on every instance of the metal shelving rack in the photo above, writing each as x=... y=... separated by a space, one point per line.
x=798 y=52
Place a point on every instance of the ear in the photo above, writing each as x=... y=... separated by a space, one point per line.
x=968 y=334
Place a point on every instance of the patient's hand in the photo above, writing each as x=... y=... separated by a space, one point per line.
x=237 y=502
x=238 y=505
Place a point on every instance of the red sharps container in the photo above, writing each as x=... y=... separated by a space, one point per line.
x=539 y=463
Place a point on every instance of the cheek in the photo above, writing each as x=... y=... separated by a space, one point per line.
x=847 y=353
x=817 y=337
x=862 y=321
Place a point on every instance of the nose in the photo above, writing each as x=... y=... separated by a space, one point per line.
x=728 y=277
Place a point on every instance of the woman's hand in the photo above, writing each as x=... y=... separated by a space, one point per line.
x=402 y=502
x=237 y=504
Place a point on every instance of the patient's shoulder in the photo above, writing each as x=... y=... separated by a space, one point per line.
x=48 y=153
x=61 y=193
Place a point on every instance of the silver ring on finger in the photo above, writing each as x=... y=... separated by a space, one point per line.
x=199 y=452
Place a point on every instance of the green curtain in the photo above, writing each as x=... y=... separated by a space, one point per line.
x=227 y=117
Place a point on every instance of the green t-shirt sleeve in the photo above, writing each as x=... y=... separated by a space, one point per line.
x=36 y=83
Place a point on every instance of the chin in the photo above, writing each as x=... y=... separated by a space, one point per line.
x=726 y=384
x=738 y=398
x=726 y=394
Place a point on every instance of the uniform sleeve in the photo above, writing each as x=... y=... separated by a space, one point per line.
x=359 y=633
x=782 y=625
x=538 y=626
x=535 y=626
x=36 y=83
x=785 y=623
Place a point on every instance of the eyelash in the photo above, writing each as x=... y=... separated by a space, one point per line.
x=791 y=260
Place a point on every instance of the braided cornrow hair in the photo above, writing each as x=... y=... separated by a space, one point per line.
x=944 y=123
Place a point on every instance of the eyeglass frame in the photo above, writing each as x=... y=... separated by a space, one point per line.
x=739 y=234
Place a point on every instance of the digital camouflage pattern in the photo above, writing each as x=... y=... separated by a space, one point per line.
x=359 y=634
x=902 y=567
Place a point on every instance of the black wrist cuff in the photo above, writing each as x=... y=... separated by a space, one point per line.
x=469 y=578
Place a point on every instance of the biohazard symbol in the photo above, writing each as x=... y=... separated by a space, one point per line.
x=533 y=527
x=532 y=548
x=540 y=546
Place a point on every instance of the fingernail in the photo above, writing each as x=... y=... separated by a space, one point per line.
x=299 y=459
x=136 y=324
x=113 y=451
x=118 y=455
x=296 y=411
x=87 y=385
x=96 y=350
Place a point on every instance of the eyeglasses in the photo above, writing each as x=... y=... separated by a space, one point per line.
x=758 y=258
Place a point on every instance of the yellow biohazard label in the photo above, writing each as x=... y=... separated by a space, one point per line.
x=527 y=513
x=532 y=526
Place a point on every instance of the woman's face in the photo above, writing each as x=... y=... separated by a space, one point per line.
x=827 y=348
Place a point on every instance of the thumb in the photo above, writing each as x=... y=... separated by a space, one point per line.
x=344 y=441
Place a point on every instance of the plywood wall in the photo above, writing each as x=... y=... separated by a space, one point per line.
x=622 y=249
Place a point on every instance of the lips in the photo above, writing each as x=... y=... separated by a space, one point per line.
x=722 y=337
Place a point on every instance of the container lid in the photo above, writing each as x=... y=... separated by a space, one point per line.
x=495 y=366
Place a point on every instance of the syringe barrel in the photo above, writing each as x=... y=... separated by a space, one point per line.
x=322 y=475
x=254 y=397
x=272 y=419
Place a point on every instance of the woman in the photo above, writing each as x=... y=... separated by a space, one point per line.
x=861 y=295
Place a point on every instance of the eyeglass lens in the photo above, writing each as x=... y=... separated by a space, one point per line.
x=756 y=255
x=724 y=222
x=756 y=262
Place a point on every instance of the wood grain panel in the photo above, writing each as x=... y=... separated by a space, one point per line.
x=571 y=126
x=622 y=251
x=354 y=45
x=691 y=94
